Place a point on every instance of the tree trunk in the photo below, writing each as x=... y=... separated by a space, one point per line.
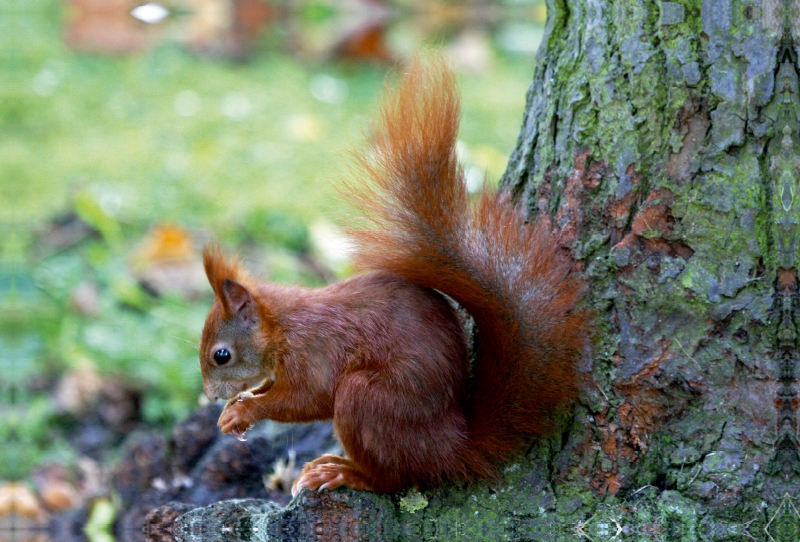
x=663 y=141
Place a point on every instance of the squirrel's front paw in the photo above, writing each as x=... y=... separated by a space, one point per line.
x=237 y=418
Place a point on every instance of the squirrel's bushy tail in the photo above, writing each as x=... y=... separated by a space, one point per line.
x=509 y=275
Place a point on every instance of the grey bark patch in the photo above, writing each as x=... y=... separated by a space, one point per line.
x=727 y=127
x=621 y=256
x=760 y=51
x=672 y=13
x=691 y=73
x=671 y=268
x=722 y=461
x=636 y=53
x=595 y=52
x=725 y=82
x=717 y=18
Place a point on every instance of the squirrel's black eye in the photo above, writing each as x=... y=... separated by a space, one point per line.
x=222 y=356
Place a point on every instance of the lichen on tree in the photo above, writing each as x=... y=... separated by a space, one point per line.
x=662 y=139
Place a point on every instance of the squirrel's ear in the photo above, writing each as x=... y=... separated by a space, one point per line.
x=238 y=302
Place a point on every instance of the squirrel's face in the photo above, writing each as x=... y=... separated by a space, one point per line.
x=234 y=347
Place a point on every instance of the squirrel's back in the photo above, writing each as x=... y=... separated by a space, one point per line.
x=511 y=276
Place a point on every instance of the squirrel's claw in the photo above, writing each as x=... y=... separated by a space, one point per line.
x=239 y=433
x=330 y=475
x=298 y=486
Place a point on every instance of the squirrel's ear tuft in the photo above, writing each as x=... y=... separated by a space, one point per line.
x=219 y=268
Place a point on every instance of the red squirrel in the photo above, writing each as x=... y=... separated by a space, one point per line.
x=384 y=353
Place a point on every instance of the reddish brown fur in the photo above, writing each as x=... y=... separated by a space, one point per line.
x=383 y=353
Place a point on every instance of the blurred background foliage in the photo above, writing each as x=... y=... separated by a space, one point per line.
x=131 y=135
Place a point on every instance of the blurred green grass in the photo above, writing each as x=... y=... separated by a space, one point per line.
x=148 y=134
x=127 y=143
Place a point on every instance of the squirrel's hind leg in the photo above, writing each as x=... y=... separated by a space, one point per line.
x=329 y=472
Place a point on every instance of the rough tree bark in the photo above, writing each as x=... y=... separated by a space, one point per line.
x=663 y=140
